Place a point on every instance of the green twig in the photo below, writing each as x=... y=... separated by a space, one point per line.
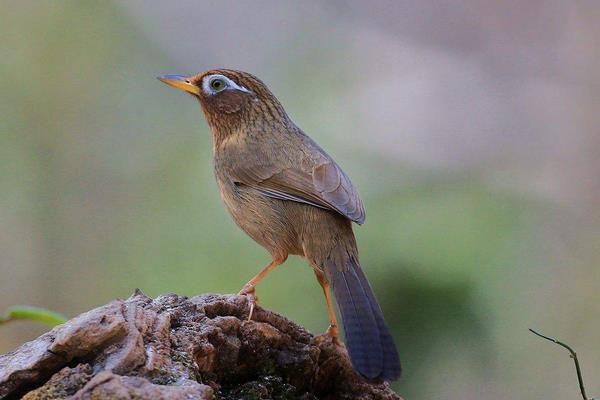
x=42 y=315
x=573 y=356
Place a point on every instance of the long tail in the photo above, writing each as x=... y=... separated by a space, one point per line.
x=370 y=345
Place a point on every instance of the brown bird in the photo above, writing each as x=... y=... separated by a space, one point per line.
x=291 y=197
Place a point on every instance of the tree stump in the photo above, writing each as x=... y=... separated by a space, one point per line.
x=175 y=347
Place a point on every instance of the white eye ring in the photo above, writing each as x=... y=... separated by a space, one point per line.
x=207 y=82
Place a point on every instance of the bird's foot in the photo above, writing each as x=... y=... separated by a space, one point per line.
x=250 y=292
x=333 y=333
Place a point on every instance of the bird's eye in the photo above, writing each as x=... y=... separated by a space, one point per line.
x=218 y=84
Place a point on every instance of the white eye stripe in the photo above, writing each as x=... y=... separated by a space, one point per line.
x=230 y=84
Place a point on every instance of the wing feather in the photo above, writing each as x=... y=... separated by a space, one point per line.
x=325 y=187
x=301 y=172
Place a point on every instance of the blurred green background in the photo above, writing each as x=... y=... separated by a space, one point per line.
x=470 y=128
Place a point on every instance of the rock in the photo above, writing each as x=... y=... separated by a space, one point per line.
x=175 y=347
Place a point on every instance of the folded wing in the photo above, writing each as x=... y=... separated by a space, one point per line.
x=324 y=185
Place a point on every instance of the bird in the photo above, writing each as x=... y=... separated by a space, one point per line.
x=292 y=198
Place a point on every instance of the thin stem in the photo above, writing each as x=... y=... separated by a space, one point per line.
x=47 y=317
x=573 y=356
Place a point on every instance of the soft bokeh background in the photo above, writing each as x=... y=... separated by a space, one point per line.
x=470 y=128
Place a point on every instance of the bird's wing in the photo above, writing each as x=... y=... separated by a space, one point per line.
x=322 y=184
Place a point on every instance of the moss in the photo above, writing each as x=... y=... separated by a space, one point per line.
x=66 y=383
x=264 y=388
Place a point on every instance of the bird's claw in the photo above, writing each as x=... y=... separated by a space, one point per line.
x=333 y=333
x=250 y=292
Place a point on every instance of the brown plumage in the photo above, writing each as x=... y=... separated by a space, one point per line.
x=291 y=197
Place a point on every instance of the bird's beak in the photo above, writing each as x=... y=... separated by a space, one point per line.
x=180 y=82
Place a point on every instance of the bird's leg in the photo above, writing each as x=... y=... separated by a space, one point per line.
x=249 y=288
x=332 y=331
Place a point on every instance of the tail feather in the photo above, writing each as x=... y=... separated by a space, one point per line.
x=370 y=345
x=391 y=362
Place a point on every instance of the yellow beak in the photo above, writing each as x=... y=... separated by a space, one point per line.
x=180 y=82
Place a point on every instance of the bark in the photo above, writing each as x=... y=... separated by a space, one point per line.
x=175 y=347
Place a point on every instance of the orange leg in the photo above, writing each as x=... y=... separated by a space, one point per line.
x=333 y=325
x=249 y=288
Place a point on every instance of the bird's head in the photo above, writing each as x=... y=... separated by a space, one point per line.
x=230 y=97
